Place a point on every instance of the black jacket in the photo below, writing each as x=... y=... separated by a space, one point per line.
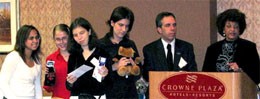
x=86 y=84
x=155 y=59
x=123 y=88
x=246 y=57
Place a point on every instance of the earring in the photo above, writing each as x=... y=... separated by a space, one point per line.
x=224 y=35
x=89 y=32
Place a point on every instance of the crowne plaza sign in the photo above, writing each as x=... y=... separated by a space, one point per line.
x=200 y=85
x=192 y=85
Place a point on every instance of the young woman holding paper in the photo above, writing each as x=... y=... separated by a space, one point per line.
x=83 y=51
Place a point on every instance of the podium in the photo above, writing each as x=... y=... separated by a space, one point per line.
x=201 y=85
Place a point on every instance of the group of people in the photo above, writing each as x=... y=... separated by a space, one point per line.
x=78 y=45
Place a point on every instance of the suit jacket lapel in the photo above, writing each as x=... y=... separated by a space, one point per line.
x=161 y=55
x=177 y=55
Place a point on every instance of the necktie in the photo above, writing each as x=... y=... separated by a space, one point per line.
x=169 y=57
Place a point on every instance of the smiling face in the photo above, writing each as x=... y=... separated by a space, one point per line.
x=61 y=40
x=81 y=35
x=168 y=29
x=231 y=30
x=32 y=42
x=120 y=28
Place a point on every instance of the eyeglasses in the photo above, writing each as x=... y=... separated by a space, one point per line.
x=61 y=39
x=34 y=37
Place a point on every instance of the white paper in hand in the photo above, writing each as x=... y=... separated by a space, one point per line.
x=81 y=70
x=182 y=63
x=95 y=74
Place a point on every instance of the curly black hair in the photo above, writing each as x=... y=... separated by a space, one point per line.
x=233 y=15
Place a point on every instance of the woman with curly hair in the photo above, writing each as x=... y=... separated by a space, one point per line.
x=233 y=54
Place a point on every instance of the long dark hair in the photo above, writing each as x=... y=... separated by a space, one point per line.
x=119 y=13
x=21 y=37
x=73 y=46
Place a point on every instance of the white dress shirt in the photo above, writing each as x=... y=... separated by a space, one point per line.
x=172 y=49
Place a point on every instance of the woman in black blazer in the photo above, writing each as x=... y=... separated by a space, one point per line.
x=232 y=54
x=120 y=23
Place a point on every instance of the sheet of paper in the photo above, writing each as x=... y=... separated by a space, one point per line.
x=182 y=63
x=81 y=70
x=95 y=74
x=95 y=62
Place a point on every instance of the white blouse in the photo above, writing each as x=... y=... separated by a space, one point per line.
x=18 y=80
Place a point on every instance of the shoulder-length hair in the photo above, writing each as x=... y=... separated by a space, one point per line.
x=21 y=37
x=73 y=46
x=119 y=13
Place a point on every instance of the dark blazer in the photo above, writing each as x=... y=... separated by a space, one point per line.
x=155 y=59
x=123 y=88
x=86 y=84
x=246 y=57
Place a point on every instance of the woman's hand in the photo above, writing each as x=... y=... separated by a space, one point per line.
x=46 y=70
x=122 y=62
x=234 y=66
x=71 y=79
x=103 y=71
x=132 y=62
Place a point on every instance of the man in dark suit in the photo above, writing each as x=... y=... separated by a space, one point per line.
x=180 y=56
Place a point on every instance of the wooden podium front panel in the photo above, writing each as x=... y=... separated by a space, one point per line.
x=204 y=85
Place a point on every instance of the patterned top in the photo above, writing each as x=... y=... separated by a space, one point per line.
x=227 y=56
